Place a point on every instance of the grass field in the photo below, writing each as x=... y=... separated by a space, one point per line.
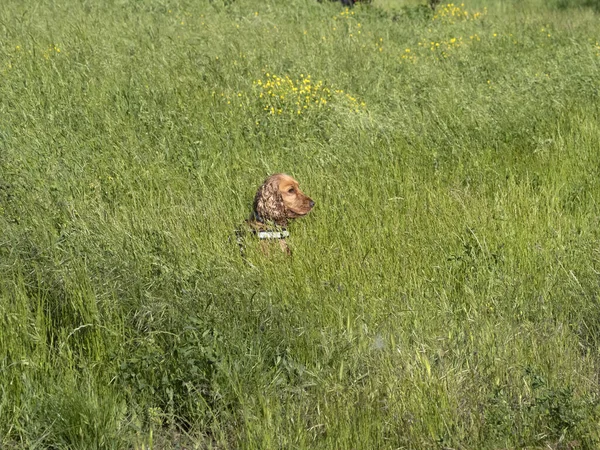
x=444 y=292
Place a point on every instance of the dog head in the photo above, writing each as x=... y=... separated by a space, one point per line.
x=280 y=199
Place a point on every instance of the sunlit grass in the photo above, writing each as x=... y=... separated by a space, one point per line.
x=442 y=293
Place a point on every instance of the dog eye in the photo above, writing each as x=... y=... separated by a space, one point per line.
x=290 y=190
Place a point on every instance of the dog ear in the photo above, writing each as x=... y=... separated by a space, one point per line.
x=268 y=202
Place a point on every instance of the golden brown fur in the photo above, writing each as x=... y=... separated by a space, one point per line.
x=277 y=201
x=280 y=199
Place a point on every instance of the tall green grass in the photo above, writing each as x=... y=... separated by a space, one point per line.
x=442 y=294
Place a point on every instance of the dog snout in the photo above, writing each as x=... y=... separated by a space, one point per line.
x=311 y=203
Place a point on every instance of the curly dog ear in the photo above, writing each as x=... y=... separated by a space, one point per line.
x=268 y=202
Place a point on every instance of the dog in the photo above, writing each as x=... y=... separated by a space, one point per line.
x=276 y=202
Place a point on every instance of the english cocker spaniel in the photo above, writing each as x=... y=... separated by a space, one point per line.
x=277 y=201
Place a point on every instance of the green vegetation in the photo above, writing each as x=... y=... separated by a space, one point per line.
x=442 y=294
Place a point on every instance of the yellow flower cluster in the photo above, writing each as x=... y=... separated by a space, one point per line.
x=52 y=50
x=443 y=48
x=346 y=14
x=240 y=99
x=450 y=13
x=279 y=95
x=409 y=56
x=347 y=22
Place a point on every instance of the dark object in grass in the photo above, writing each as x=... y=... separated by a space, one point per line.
x=433 y=4
x=349 y=3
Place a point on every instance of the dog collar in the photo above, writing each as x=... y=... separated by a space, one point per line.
x=273 y=234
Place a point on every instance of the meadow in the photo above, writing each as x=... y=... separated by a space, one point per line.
x=443 y=293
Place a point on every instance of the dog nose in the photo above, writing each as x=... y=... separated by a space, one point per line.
x=311 y=203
